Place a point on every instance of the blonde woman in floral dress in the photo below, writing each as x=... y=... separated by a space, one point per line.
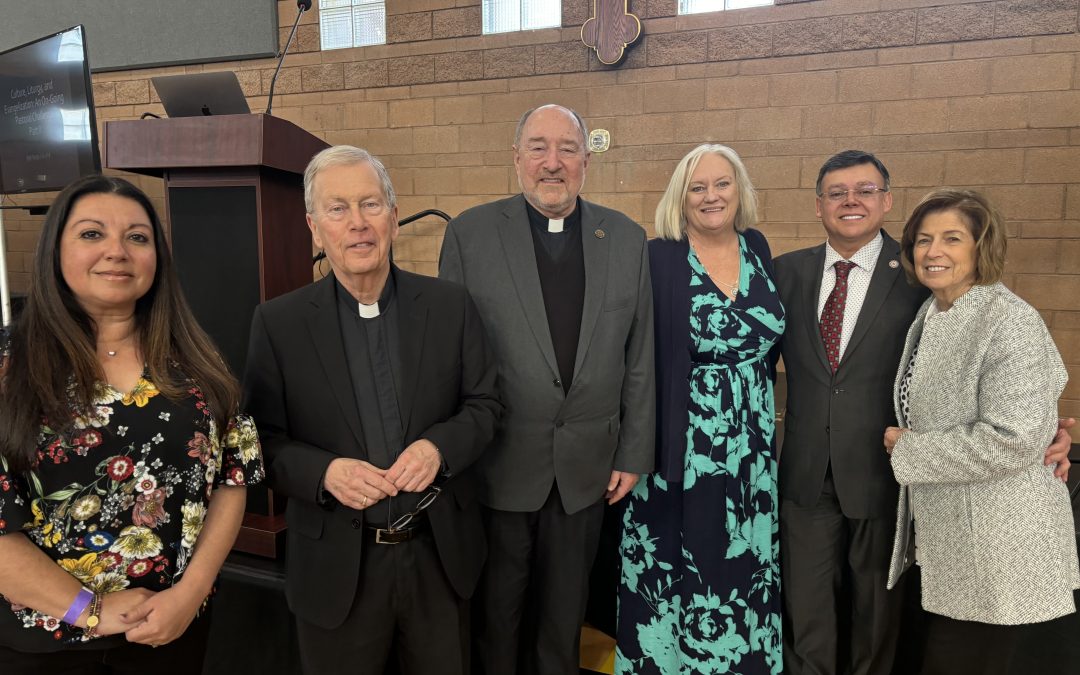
x=122 y=458
x=700 y=586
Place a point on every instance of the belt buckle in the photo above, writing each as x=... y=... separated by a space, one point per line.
x=392 y=536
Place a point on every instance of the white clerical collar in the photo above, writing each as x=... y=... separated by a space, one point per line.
x=555 y=225
x=368 y=311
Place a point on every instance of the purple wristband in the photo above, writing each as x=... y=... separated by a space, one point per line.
x=78 y=605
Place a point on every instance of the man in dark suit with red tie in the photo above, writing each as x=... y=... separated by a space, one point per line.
x=848 y=312
x=374 y=391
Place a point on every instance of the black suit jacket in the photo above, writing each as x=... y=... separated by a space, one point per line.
x=841 y=418
x=297 y=387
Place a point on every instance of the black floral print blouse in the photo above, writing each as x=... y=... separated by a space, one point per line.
x=119 y=500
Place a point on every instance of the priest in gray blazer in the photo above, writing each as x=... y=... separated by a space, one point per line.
x=562 y=286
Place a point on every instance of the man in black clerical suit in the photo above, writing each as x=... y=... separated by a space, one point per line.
x=374 y=391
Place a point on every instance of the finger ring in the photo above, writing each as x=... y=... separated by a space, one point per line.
x=363 y=501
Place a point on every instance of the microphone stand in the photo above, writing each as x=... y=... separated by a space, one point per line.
x=5 y=290
x=302 y=6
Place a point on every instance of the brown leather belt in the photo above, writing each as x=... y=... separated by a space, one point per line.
x=382 y=535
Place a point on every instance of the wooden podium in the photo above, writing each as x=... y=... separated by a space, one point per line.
x=234 y=202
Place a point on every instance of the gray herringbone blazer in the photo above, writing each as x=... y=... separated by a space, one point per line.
x=606 y=421
x=993 y=527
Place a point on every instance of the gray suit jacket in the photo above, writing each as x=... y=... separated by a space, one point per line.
x=994 y=530
x=606 y=421
x=839 y=418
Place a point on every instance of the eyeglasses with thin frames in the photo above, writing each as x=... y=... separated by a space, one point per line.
x=403 y=521
x=863 y=193
x=339 y=211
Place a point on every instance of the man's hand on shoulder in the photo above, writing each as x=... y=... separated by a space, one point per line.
x=416 y=467
x=1058 y=452
x=356 y=483
x=621 y=483
x=892 y=437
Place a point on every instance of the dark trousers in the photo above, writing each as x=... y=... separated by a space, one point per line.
x=838 y=616
x=533 y=591
x=1052 y=647
x=968 y=647
x=405 y=605
x=182 y=656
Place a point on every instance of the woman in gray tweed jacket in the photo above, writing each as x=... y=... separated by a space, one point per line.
x=976 y=398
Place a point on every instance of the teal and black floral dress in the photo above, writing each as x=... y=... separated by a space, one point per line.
x=118 y=500
x=700 y=582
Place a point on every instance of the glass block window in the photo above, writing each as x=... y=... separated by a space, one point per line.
x=352 y=23
x=71 y=46
x=503 y=16
x=699 y=6
x=76 y=124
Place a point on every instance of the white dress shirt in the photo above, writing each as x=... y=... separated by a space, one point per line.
x=858 y=283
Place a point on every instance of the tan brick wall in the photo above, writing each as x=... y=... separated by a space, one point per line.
x=980 y=93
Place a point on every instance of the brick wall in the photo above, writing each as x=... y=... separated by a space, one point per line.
x=980 y=93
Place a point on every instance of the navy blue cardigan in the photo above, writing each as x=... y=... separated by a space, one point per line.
x=670 y=271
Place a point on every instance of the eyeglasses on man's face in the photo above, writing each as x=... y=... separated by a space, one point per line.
x=338 y=211
x=863 y=193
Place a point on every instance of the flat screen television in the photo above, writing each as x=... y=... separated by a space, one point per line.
x=48 y=133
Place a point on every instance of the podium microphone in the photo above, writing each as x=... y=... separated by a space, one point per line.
x=302 y=6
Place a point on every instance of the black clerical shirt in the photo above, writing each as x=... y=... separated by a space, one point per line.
x=372 y=351
x=561 y=265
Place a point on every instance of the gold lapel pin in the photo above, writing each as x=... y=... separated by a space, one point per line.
x=599 y=233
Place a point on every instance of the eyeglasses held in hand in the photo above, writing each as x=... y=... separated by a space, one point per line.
x=425 y=501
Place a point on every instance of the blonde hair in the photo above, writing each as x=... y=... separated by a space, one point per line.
x=670 y=219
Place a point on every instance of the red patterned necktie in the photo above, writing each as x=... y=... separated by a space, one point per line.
x=832 y=317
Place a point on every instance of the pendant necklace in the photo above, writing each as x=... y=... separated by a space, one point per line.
x=731 y=289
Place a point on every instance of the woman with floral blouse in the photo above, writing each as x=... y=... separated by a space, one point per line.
x=123 y=460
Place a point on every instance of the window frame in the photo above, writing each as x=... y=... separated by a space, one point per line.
x=724 y=8
x=487 y=9
x=352 y=12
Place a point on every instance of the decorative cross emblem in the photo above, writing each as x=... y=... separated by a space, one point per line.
x=610 y=30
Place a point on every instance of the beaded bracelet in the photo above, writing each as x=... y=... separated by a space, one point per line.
x=83 y=598
x=94 y=619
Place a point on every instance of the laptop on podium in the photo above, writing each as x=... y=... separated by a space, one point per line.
x=198 y=94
